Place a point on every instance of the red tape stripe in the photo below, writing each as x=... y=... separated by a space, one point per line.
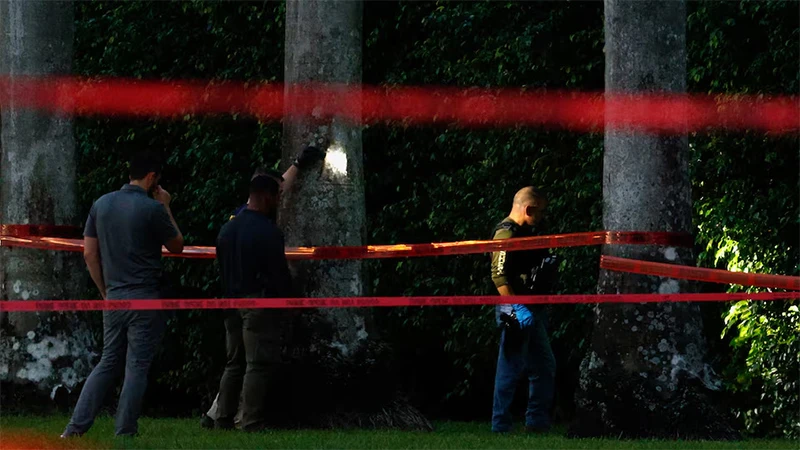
x=578 y=111
x=361 y=302
x=406 y=250
x=699 y=274
x=23 y=231
x=470 y=247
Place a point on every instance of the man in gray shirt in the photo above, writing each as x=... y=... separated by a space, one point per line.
x=122 y=248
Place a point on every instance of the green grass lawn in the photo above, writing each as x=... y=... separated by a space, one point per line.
x=41 y=432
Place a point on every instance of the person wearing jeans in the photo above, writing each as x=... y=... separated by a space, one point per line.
x=530 y=355
x=130 y=340
x=524 y=345
x=122 y=248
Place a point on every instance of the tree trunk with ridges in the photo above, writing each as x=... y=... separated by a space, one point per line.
x=645 y=373
x=37 y=186
x=326 y=206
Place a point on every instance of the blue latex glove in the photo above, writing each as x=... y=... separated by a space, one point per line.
x=524 y=316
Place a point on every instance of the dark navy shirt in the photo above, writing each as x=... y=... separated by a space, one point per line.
x=130 y=228
x=238 y=210
x=252 y=258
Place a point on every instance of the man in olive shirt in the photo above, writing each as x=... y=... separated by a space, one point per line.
x=524 y=344
x=252 y=260
x=122 y=248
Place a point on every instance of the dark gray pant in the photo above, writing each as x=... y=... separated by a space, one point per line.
x=253 y=338
x=130 y=340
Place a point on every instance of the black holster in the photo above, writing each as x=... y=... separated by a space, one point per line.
x=513 y=331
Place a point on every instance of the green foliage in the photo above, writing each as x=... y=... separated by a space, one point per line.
x=428 y=184
x=771 y=335
x=208 y=159
x=746 y=197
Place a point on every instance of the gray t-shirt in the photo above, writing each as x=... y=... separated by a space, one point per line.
x=130 y=228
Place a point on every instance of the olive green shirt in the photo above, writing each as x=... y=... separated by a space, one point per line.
x=514 y=269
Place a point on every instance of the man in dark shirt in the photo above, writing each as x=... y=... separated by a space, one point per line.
x=252 y=260
x=262 y=171
x=310 y=155
x=122 y=248
x=307 y=157
x=524 y=345
x=233 y=348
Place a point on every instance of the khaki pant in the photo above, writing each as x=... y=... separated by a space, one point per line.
x=253 y=340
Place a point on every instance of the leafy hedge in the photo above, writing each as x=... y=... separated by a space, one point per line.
x=447 y=183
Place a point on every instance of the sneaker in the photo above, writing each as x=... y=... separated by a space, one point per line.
x=207 y=422
x=128 y=435
x=224 y=424
x=70 y=434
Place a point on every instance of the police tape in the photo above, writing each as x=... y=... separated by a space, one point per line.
x=577 y=111
x=27 y=230
x=402 y=250
x=471 y=247
x=698 y=273
x=368 y=302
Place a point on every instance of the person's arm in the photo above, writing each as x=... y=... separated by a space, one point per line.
x=289 y=177
x=499 y=266
x=500 y=279
x=280 y=277
x=174 y=244
x=307 y=157
x=91 y=254
x=166 y=227
x=222 y=243
x=505 y=290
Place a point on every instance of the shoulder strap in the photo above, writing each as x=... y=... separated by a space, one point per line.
x=505 y=225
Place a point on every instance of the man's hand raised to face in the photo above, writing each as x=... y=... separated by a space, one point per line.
x=160 y=195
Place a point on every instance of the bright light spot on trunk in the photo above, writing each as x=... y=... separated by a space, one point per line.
x=336 y=160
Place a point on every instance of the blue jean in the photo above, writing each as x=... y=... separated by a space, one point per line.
x=130 y=340
x=534 y=359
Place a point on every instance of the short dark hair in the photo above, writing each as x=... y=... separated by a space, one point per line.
x=530 y=196
x=143 y=163
x=268 y=172
x=264 y=184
